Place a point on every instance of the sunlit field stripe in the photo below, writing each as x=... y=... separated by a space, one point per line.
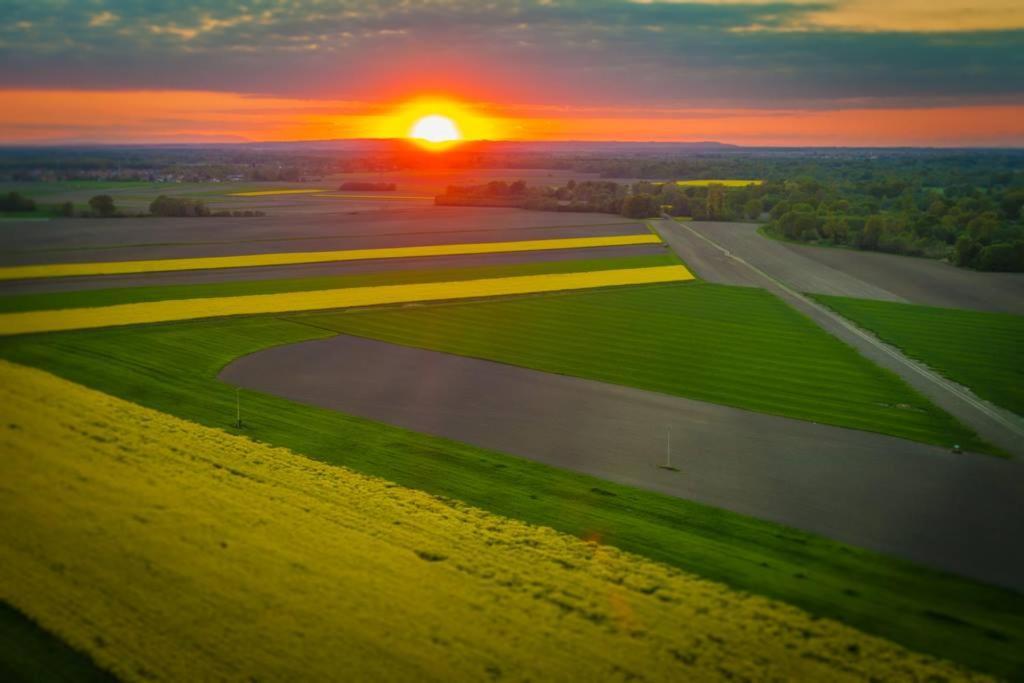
x=376 y=196
x=161 y=537
x=165 y=311
x=291 y=258
x=726 y=183
x=266 y=193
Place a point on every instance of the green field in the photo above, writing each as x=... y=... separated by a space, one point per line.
x=731 y=345
x=28 y=653
x=982 y=351
x=123 y=295
x=173 y=368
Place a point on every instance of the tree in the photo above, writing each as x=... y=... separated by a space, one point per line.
x=178 y=206
x=1002 y=257
x=640 y=206
x=716 y=201
x=872 y=233
x=836 y=229
x=15 y=202
x=102 y=205
x=965 y=251
x=753 y=208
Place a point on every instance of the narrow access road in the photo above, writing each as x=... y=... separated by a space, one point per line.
x=712 y=261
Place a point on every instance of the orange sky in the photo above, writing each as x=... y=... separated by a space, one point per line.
x=41 y=116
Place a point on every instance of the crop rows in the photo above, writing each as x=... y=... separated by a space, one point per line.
x=981 y=350
x=188 y=309
x=49 y=270
x=261 y=564
x=730 y=345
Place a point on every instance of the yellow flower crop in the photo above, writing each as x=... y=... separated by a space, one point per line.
x=264 y=193
x=186 y=309
x=727 y=183
x=377 y=196
x=46 y=270
x=170 y=551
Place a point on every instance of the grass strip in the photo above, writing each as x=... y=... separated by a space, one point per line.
x=173 y=368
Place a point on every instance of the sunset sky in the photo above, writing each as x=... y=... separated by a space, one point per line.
x=759 y=72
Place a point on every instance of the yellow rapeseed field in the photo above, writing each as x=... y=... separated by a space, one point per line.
x=45 y=270
x=264 y=193
x=377 y=196
x=727 y=183
x=171 y=551
x=212 y=307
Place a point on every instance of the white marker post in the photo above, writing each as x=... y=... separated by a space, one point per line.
x=668 y=447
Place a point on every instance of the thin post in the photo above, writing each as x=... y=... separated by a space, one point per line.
x=668 y=446
x=238 y=408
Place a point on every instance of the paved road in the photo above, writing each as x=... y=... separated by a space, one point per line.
x=717 y=254
x=960 y=513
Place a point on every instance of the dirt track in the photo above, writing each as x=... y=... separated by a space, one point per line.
x=953 y=512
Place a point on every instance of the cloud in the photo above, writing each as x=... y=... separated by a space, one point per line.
x=809 y=53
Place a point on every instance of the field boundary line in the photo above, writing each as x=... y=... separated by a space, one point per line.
x=351 y=297
x=53 y=270
x=927 y=373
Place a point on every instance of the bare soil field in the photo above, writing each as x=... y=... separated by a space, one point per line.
x=79 y=239
x=844 y=272
x=949 y=511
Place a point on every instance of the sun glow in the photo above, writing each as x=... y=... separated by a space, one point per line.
x=434 y=123
x=435 y=128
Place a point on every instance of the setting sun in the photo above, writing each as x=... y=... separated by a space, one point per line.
x=435 y=128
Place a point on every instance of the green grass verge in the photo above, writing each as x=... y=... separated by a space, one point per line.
x=123 y=295
x=29 y=653
x=173 y=368
x=735 y=346
x=983 y=351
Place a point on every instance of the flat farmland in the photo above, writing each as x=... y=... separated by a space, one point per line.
x=173 y=368
x=79 y=292
x=843 y=272
x=731 y=345
x=877 y=492
x=49 y=270
x=81 y=239
x=433 y=588
x=982 y=351
x=136 y=313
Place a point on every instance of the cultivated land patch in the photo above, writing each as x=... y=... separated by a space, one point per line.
x=845 y=272
x=49 y=270
x=211 y=307
x=374 y=580
x=874 y=491
x=386 y=197
x=265 y=193
x=366 y=275
x=982 y=351
x=309 y=223
x=726 y=183
x=173 y=368
x=732 y=345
